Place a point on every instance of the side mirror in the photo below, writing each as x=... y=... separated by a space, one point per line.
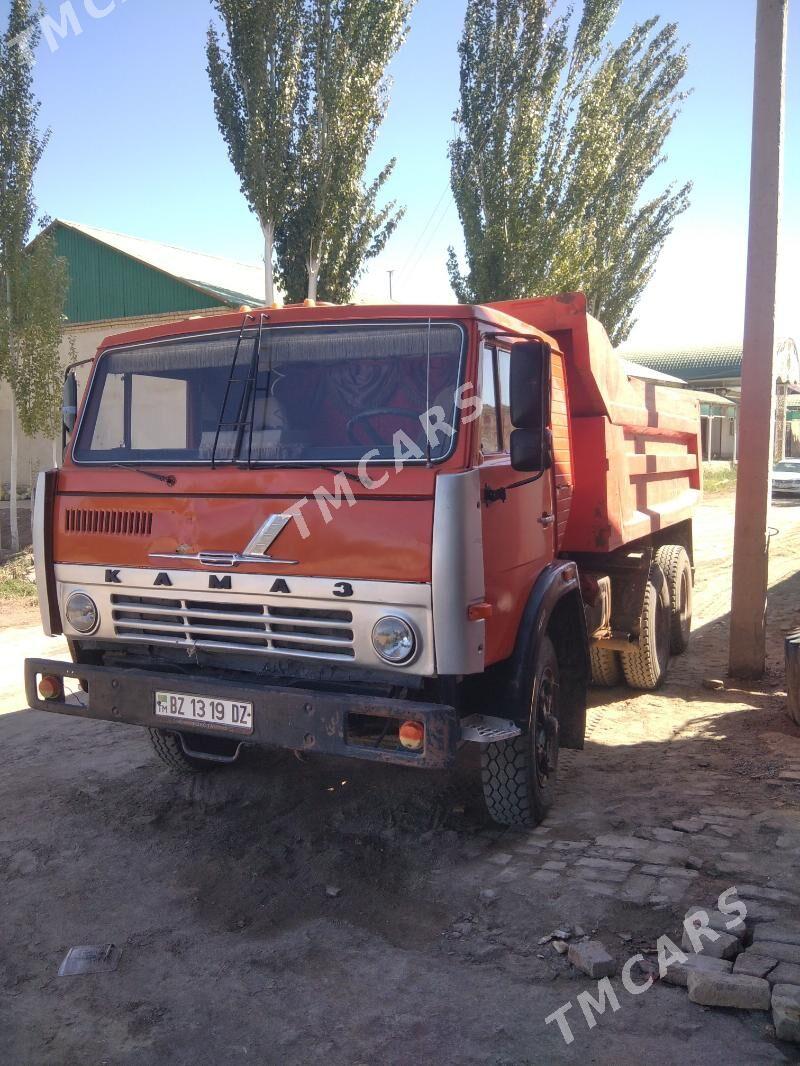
x=530 y=451
x=69 y=402
x=530 y=405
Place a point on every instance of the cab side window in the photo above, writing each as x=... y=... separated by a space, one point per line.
x=491 y=439
x=495 y=391
x=504 y=377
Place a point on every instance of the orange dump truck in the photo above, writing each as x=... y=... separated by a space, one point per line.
x=401 y=534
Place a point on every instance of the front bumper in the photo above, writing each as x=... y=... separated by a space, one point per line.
x=297 y=719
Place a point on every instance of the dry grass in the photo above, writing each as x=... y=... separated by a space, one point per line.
x=16 y=585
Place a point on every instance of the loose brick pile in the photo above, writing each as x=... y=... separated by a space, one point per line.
x=744 y=970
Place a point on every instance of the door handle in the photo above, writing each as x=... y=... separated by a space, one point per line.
x=547 y=519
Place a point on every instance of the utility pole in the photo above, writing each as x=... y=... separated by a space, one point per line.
x=753 y=495
x=391 y=274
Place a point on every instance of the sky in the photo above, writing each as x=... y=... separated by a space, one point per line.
x=135 y=148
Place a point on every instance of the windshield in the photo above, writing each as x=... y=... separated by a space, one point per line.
x=787 y=467
x=311 y=394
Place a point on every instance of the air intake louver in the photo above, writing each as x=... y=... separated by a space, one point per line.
x=126 y=523
x=302 y=632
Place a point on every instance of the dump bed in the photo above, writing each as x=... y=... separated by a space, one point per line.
x=628 y=459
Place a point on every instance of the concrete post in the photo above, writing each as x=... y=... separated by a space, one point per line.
x=751 y=542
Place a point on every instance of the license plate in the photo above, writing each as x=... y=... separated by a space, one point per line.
x=205 y=710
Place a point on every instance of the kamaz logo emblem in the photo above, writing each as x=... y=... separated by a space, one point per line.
x=255 y=552
x=224 y=583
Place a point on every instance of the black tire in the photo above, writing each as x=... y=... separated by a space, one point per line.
x=519 y=776
x=168 y=748
x=606 y=667
x=675 y=565
x=646 y=666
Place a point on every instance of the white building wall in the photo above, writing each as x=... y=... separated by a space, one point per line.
x=36 y=453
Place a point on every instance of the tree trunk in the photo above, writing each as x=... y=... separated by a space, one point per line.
x=13 y=516
x=56 y=453
x=313 y=264
x=268 y=229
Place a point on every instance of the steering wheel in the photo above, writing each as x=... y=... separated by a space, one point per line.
x=364 y=416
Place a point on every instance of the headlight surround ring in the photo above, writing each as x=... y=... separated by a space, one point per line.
x=82 y=614
x=395 y=640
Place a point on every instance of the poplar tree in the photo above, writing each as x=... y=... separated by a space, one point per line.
x=33 y=279
x=334 y=225
x=254 y=68
x=560 y=134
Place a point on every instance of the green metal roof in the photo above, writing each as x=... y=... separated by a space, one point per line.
x=693 y=364
x=115 y=276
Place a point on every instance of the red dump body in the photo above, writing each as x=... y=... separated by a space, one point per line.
x=627 y=451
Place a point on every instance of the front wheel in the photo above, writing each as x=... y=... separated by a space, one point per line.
x=168 y=748
x=519 y=775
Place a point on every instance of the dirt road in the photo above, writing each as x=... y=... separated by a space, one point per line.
x=293 y=912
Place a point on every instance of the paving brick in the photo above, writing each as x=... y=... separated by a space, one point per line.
x=663 y=836
x=592 y=958
x=778 y=932
x=546 y=876
x=781 y=952
x=786 y=1012
x=723 y=831
x=616 y=840
x=725 y=812
x=689 y=825
x=725 y=946
x=552 y=865
x=501 y=858
x=570 y=845
x=764 y=892
x=723 y=923
x=673 y=888
x=754 y=965
x=742 y=857
x=589 y=873
x=606 y=864
x=785 y=973
x=668 y=871
x=638 y=888
x=637 y=850
x=729 y=990
x=678 y=972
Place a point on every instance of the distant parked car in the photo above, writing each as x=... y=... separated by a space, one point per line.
x=786 y=478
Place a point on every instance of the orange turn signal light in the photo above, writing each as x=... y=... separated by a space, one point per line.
x=412 y=735
x=50 y=688
x=479 y=612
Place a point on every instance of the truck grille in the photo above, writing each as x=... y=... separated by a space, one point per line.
x=128 y=523
x=308 y=633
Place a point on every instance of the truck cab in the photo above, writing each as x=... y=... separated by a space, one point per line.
x=351 y=531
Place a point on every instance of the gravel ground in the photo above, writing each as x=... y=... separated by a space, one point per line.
x=288 y=911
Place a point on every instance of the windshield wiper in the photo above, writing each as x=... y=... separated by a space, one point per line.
x=168 y=479
x=336 y=470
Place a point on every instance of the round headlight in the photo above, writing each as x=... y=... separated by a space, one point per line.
x=394 y=641
x=82 y=612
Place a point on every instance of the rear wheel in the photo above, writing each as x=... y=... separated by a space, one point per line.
x=646 y=666
x=606 y=667
x=519 y=775
x=677 y=570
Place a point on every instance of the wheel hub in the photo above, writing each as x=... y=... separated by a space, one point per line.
x=545 y=731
